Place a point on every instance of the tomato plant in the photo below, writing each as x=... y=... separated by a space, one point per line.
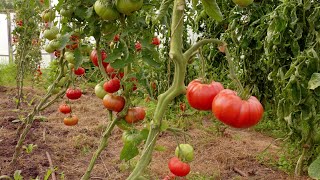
x=113 y=102
x=200 y=95
x=64 y=108
x=178 y=167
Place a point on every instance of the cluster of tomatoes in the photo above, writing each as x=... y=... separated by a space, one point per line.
x=179 y=165
x=226 y=105
x=107 y=90
x=72 y=94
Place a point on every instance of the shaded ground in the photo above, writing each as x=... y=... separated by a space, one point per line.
x=232 y=156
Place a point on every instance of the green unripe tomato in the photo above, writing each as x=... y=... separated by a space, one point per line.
x=48 y=15
x=99 y=91
x=243 y=3
x=127 y=7
x=49 y=48
x=132 y=136
x=62 y=81
x=51 y=33
x=69 y=56
x=106 y=11
x=185 y=152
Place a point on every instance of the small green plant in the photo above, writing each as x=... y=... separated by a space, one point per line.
x=29 y=148
x=17 y=175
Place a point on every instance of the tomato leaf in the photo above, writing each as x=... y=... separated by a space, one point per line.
x=144 y=133
x=313 y=169
x=151 y=57
x=78 y=58
x=129 y=151
x=160 y=148
x=212 y=9
x=314 y=81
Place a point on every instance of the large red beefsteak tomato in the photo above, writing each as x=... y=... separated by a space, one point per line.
x=200 y=95
x=230 y=109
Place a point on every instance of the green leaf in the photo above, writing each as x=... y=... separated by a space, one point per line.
x=164 y=126
x=144 y=133
x=129 y=151
x=48 y=174
x=78 y=58
x=151 y=57
x=160 y=148
x=313 y=169
x=17 y=175
x=314 y=81
x=212 y=9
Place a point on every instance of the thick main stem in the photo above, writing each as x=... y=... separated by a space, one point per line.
x=177 y=88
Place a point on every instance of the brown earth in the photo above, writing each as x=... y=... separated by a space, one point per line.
x=231 y=156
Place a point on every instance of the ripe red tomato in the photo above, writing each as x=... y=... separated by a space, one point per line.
x=72 y=46
x=170 y=177
x=135 y=114
x=57 y=53
x=154 y=85
x=71 y=120
x=113 y=102
x=112 y=85
x=156 y=41
x=110 y=71
x=73 y=93
x=116 y=38
x=64 y=108
x=94 y=58
x=19 y=23
x=183 y=106
x=138 y=46
x=80 y=71
x=178 y=167
x=200 y=95
x=230 y=109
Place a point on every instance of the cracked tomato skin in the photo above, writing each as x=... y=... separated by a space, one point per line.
x=230 y=109
x=200 y=95
x=178 y=167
